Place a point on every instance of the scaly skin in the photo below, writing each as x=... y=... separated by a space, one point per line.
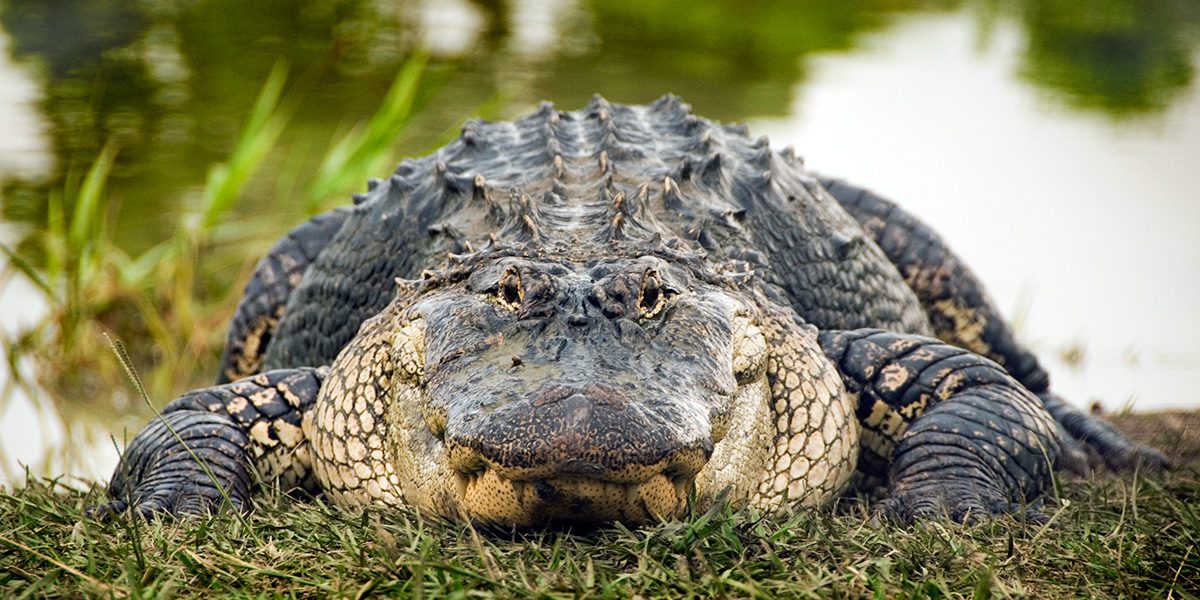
x=597 y=316
x=787 y=434
x=975 y=422
x=236 y=435
x=279 y=272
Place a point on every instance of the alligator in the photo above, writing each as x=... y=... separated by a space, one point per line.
x=610 y=315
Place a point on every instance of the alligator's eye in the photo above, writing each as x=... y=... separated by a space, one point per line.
x=509 y=291
x=652 y=296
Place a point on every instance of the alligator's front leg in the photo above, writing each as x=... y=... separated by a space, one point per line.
x=962 y=313
x=955 y=432
x=216 y=444
x=267 y=293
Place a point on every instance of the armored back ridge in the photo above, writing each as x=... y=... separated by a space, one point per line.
x=645 y=174
x=596 y=316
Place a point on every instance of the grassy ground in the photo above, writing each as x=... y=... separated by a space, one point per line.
x=1117 y=537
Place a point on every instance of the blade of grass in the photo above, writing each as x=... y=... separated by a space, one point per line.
x=64 y=566
x=253 y=568
x=85 y=217
x=227 y=180
x=26 y=269
x=225 y=184
x=54 y=239
x=358 y=153
x=135 y=272
x=127 y=365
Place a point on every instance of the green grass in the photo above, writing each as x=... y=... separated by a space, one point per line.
x=1113 y=538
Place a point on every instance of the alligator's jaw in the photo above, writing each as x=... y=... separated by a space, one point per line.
x=491 y=498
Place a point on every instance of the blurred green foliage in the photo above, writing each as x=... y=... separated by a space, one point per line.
x=1122 y=57
x=164 y=296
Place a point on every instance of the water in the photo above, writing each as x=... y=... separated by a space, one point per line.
x=1053 y=147
x=33 y=433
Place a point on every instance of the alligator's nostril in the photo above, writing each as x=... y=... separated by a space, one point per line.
x=551 y=395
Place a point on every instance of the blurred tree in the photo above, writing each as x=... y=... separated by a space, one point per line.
x=1121 y=57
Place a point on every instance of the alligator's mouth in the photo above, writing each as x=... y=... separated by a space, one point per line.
x=489 y=497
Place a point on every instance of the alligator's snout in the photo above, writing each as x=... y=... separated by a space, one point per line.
x=585 y=431
x=576 y=453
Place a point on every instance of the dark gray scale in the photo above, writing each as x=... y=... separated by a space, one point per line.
x=274 y=279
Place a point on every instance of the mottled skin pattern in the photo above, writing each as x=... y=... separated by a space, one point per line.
x=600 y=316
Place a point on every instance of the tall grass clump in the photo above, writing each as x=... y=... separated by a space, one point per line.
x=157 y=300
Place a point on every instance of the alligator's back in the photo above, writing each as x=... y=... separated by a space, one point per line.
x=606 y=172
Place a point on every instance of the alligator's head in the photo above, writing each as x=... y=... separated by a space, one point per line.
x=531 y=389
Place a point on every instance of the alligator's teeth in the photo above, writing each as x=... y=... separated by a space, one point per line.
x=460 y=485
x=631 y=493
x=681 y=487
x=519 y=490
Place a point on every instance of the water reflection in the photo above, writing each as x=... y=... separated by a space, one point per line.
x=24 y=147
x=172 y=83
x=729 y=60
x=1120 y=57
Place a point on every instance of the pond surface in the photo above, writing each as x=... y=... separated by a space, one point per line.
x=1054 y=146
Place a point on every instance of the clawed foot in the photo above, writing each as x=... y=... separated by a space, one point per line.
x=182 y=501
x=181 y=464
x=959 y=502
x=1134 y=456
